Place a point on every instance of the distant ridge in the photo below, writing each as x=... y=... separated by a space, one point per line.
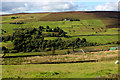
x=22 y=13
x=109 y=18
x=64 y=12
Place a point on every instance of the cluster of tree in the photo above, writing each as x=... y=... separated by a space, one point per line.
x=31 y=39
x=57 y=32
x=27 y=41
x=24 y=41
x=14 y=17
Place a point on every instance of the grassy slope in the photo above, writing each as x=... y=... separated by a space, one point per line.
x=88 y=21
x=75 y=31
x=75 y=70
x=23 y=18
x=108 y=18
x=83 y=26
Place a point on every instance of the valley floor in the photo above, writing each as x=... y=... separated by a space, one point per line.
x=105 y=67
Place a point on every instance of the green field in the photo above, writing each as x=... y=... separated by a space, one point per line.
x=74 y=70
x=89 y=24
x=83 y=24
x=75 y=29
x=101 y=30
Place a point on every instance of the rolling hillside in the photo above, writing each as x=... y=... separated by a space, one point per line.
x=60 y=45
x=109 y=18
x=102 y=25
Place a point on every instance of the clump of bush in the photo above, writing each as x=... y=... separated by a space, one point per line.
x=14 y=17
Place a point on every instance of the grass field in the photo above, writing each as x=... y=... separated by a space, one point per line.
x=75 y=29
x=65 y=25
x=89 y=25
x=74 y=70
x=93 y=26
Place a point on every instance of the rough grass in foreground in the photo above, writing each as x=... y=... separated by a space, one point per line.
x=74 y=70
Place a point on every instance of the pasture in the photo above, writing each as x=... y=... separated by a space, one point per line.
x=92 y=30
x=93 y=26
x=74 y=70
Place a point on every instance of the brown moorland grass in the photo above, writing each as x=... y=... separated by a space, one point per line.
x=68 y=58
x=109 y=18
